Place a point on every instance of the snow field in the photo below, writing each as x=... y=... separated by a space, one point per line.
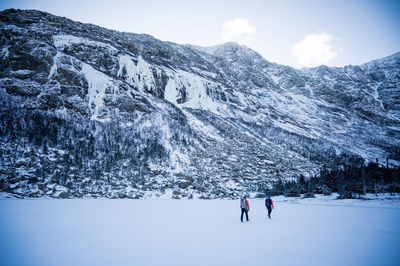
x=196 y=232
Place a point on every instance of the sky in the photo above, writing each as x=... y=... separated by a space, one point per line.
x=291 y=32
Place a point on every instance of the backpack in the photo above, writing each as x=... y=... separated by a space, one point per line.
x=243 y=204
x=268 y=202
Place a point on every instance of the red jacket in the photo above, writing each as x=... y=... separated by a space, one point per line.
x=266 y=202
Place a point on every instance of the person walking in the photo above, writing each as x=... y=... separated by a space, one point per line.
x=270 y=205
x=244 y=205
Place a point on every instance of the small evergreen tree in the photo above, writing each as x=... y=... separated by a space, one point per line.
x=310 y=189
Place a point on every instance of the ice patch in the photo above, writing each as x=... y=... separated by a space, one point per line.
x=60 y=188
x=376 y=96
x=139 y=75
x=53 y=68
x=290 y=127
x=22 y=71
x=195 y=89
x=98 y=83
x=61 y=41
x=5 y=52
x=171 y=93
x=275 y=78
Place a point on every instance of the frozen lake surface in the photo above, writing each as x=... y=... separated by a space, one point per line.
x=198 y=232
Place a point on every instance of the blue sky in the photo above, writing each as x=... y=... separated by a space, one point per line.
x=296 y=33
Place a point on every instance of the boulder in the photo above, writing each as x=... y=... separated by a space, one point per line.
x=63 y=195
x=184 y=184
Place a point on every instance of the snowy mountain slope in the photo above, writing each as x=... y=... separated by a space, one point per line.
x=105 y=113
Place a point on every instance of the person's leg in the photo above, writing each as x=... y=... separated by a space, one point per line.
x=247 y=215
x=241 y=216
x=269 y=212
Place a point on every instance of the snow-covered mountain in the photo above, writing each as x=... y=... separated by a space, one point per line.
x=87 y=111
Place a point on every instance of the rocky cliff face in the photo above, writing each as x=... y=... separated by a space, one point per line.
x=87 y=111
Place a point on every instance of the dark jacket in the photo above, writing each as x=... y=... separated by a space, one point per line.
x=269 y=203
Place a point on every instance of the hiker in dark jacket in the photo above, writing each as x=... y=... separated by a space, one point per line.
x=270 y=205
x=244 y=205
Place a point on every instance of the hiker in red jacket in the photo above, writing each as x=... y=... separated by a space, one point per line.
x=244 y=205
x=270 y=205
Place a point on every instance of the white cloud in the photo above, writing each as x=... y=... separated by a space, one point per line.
x=236 y=28
x=314 y=50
